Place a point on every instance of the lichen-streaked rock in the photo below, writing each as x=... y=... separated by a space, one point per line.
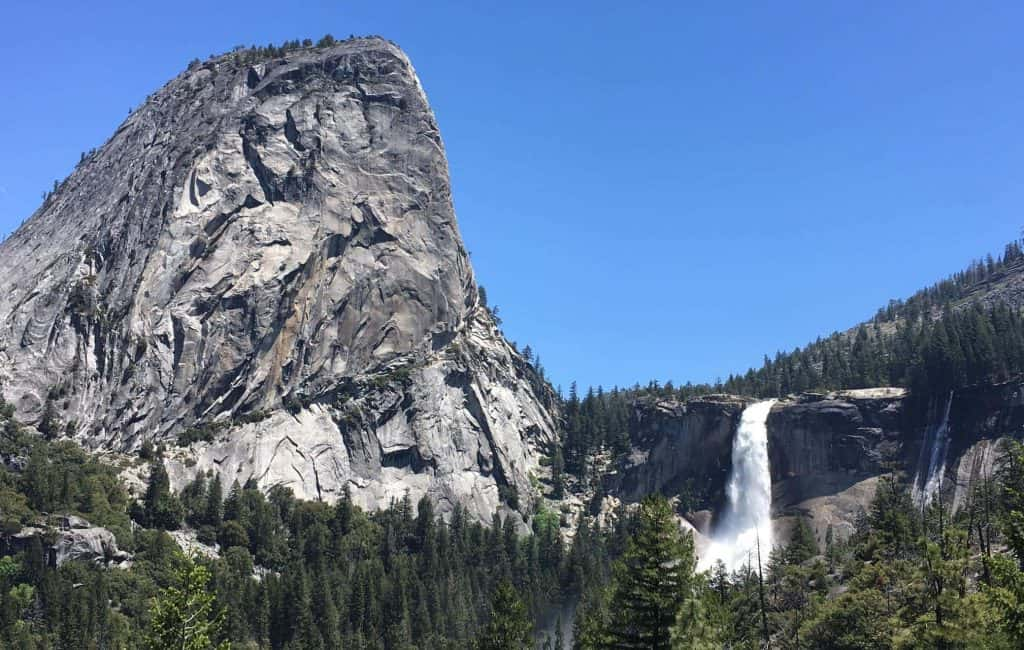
x=269 y=254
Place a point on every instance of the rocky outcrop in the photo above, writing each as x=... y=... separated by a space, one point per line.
x=821 y=444
x=265 y=258
x=980 y=417
x=985 y=412
x=188 y=542
x=75 y=539
x=680 y=448
x=817 y=443
x=461 y=426
x=827 y=450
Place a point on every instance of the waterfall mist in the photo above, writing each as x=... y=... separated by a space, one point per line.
x=747 y=519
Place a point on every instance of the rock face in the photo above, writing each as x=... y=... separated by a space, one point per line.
x=980 y=417
x=827 y=451
x=75 y=539
x=822 y=448
x=681 y=448
x=821 y=444
x=266 y=257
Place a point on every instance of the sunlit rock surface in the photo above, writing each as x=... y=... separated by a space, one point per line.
x=267 y=255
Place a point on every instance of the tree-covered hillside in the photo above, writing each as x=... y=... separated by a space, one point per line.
x=964 y=330
x=295 y=574
x=290 y=574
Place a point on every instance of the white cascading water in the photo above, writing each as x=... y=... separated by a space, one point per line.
x=933 y=448
x=747 y=521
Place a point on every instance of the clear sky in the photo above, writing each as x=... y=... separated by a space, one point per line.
x=649 y=190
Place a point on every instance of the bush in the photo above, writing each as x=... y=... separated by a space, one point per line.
x=207 y=534
x=202 y=433
x=232 y=534
x=508 y=494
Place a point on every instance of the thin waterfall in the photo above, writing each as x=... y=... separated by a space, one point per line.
x=748 y=515
x=931 y=464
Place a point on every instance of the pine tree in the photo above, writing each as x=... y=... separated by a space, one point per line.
x=213 y=512
x=161 y=508
x=803 y=545
x=653 y=580
x=510 y=627
x=185 y=617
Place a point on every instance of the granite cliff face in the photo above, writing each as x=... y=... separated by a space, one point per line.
x=827 y=451
x=266 y=257
x=847 y=432
x=680 y=448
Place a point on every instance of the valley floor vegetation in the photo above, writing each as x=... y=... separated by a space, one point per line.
x=294 y=574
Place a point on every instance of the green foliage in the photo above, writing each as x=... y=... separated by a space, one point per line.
x=160 y=507
x=653 y=581
x=1011 y=497
x=206 y=432
x=802 y=545
x=854 y=621
x=893 y=521
x=232 y=534
x=185 y=616
x=510 y=627
x=58 y=477
x=335 y=576
x=1007 y=596
x=598 y=420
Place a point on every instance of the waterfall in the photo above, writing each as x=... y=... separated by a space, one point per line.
x=933 y=449
x=747 y=520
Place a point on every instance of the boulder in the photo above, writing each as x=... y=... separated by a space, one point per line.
x=74 y=539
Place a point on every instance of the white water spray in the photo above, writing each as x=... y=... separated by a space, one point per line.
x=747 y=522
x=934 y=448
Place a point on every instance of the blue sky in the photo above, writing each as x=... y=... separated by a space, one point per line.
x=648 y=189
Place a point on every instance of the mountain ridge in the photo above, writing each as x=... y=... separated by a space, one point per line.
x=263 y=264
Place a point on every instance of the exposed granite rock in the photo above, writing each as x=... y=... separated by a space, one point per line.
x=457 y=427
x=985 y=412
x=681 y=447
x=978 y=462
x=1005 y=286
x=821 y=444
x=980 y=417
x=91 y=544
x=269 y=254
x=75 y=539
x=190 y=545
x=827 y=450
x=817 y=444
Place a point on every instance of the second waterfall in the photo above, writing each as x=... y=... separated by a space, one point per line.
x=747 y=520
